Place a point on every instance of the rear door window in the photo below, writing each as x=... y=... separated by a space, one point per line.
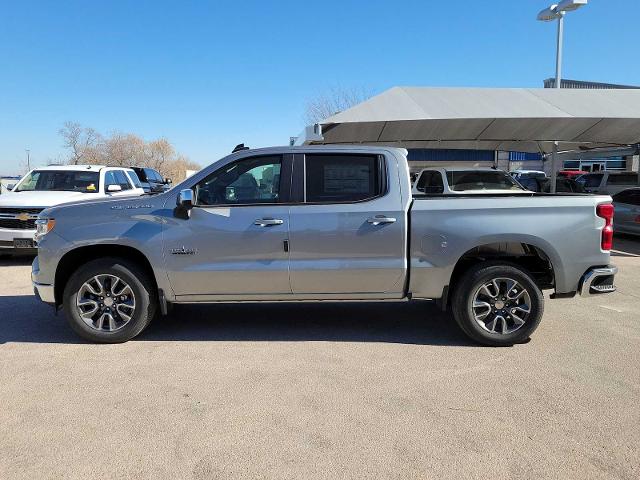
x=343 y=178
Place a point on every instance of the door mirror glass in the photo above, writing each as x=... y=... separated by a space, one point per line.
x=114 y=188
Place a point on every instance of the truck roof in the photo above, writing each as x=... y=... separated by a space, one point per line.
x=79 y=168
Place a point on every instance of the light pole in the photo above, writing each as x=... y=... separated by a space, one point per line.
x=557 y=12
x=28 y=160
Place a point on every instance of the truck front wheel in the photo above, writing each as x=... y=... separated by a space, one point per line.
x=109 y=300
x=497 y=304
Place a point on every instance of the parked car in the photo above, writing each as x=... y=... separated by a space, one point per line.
x=47 y=186
x=608 y=183
x=151 y=180
x=627 y=211
x=563 y=185
x=571 y=173
x=321 y=223
x=452 y=181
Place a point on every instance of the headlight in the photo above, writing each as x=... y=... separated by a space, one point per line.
x=44 y=226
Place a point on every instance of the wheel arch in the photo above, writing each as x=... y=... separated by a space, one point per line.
x=528 y=256
x=77 y=257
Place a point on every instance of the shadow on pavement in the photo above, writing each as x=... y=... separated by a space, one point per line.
x=25 y=319
x=17 y=261
x=626 y=246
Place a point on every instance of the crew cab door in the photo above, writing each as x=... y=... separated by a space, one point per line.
x=347 y=227
x=234 y=241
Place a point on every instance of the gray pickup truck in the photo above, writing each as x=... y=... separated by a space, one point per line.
x=321 y=224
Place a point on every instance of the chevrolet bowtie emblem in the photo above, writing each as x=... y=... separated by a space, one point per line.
x=23 y=217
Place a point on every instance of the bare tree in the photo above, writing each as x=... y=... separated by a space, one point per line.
x=159 y=152
x=124 y=150
x=333 y=101
x=78 y=140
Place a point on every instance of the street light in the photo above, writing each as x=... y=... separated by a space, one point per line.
x=557 y=12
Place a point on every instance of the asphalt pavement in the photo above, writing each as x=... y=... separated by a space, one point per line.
x=322 y=391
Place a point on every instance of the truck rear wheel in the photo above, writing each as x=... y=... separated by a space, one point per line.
x=109 y=300
x=497 y=304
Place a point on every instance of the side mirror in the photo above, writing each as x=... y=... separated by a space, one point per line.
x=11 y=186
x=113 y=188
x=184 y=203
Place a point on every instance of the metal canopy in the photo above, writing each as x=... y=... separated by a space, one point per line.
x=522 y=119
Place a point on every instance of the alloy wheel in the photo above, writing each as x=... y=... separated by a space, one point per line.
x=501 y=306
x=106 y=302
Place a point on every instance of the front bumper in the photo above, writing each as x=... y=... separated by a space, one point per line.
x=8 y=235
x=598 y=280
x=44 y=292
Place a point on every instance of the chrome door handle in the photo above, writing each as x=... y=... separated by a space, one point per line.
x=380 y=219
x=268 y=222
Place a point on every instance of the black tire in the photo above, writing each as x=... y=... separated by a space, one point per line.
x=471 y=282
x=146 y=299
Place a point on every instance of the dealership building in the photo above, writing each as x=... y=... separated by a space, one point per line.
x=595 y=126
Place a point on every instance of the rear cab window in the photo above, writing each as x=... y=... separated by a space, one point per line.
x=466 y=180
x=591 y=180
x=343 y=178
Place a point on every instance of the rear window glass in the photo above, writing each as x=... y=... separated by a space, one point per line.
x=460 y=181
x=342 y=178
x=591 y=180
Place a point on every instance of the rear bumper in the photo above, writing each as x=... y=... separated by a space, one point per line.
x=598 y=280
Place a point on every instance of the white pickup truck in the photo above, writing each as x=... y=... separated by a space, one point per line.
x=329 y=223
x=48 y=186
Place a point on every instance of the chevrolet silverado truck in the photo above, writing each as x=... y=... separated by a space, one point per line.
x=321 y=223
x=47 y=186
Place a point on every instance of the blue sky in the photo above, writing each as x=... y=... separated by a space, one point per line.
x=209 y=75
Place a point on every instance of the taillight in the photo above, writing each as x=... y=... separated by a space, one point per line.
x=605 y=210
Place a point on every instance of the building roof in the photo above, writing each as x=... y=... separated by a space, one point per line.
x=567 y=83
x=525 y=119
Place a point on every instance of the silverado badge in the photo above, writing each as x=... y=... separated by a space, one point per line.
x=183 y=251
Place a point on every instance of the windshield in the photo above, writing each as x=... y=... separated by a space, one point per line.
x=481 y=180
x=60 y=180
x=590 y=180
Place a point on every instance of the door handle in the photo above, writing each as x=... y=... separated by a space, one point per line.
x=268 y=222
x=380 y=219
